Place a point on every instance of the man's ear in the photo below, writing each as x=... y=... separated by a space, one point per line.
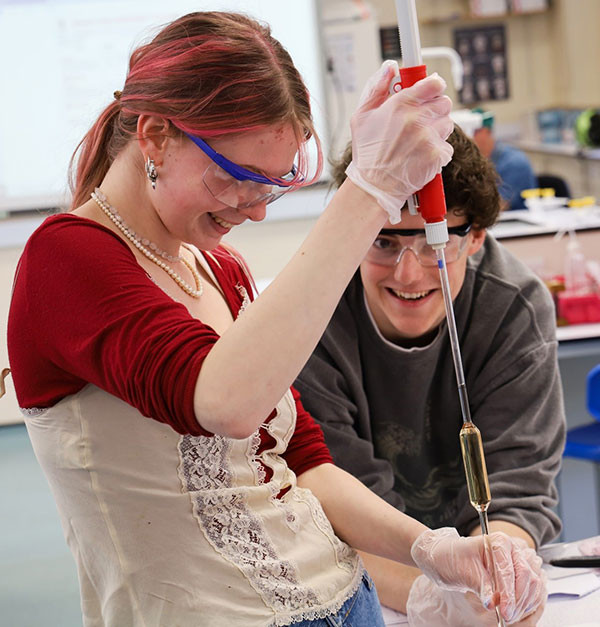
x=153 y=133
x=477 y=239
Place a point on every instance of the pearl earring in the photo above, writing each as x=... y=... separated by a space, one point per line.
x=151 y=172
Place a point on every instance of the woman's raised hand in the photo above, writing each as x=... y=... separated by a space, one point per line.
x=398 y=141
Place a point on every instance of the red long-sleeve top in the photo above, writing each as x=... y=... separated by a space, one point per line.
x=84 y=311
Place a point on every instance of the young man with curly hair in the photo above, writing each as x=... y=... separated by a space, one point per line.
x=381 y=381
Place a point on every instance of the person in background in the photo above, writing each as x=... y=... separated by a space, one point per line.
x=381 y=383
x=512 y=165
x=192 y=486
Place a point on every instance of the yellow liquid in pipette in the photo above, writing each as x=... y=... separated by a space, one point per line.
x=475 y=469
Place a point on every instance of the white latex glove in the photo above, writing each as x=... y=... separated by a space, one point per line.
x=398 y=141
x=429 y=605
x=459 y=564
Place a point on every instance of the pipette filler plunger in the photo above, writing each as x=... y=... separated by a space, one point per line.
x=431 y=203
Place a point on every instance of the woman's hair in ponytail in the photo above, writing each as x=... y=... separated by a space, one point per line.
x=209 y=74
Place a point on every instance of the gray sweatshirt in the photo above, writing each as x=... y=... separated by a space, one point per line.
x=391 y=416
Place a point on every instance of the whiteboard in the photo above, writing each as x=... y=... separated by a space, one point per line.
x=61 y=61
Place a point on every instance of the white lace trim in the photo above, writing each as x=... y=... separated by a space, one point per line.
x=233 y=530
x=259 y=470
x=245 y=298
x=33 y=412
x=330 y=610
x=204 y=463
x=288 y=513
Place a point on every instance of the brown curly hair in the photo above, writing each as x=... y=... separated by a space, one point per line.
x=470 y=181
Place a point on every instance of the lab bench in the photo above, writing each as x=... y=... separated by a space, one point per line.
x=533 y=238
x=539 y=238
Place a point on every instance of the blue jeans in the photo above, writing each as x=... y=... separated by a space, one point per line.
x=362 y=609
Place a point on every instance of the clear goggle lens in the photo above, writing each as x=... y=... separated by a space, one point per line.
x=241 y=194
x=387 y=250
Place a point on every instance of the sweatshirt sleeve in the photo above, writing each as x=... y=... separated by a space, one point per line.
x=516 y=401
x=83 y=311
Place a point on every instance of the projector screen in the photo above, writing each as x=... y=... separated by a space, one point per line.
x=62 y=60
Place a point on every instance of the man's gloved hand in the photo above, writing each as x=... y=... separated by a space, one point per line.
x=461 y=564
x=431 y=606
x=398 y=141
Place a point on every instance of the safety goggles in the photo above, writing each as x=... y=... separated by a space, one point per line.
x=238 y=187
x=390 y=245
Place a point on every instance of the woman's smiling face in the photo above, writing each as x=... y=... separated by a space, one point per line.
x=186 y=207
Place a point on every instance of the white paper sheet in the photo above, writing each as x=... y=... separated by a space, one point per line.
x=575 y=586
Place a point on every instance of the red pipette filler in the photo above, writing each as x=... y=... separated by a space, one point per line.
x=431 y=199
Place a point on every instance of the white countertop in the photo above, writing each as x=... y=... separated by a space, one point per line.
x=524 y=223
x=578 y=332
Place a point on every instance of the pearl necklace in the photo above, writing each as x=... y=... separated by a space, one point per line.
x=146 y=242
x=113 y=215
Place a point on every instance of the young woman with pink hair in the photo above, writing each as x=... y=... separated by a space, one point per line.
x=192 y=486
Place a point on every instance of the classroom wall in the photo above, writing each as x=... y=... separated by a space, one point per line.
x=552 y=55
x=577 y=52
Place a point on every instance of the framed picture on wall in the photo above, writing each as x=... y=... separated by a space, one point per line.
x=483 y=53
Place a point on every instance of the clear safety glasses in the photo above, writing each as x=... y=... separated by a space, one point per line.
x=238 y=187
x=390 y=245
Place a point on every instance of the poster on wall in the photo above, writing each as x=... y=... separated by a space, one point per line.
x=483 y=53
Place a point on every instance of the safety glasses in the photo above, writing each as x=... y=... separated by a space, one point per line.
x=390 y=245
x=238 y=187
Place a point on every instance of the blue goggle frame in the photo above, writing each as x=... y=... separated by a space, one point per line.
x=237 y=171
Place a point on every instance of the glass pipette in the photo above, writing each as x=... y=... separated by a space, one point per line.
x=470 y=437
